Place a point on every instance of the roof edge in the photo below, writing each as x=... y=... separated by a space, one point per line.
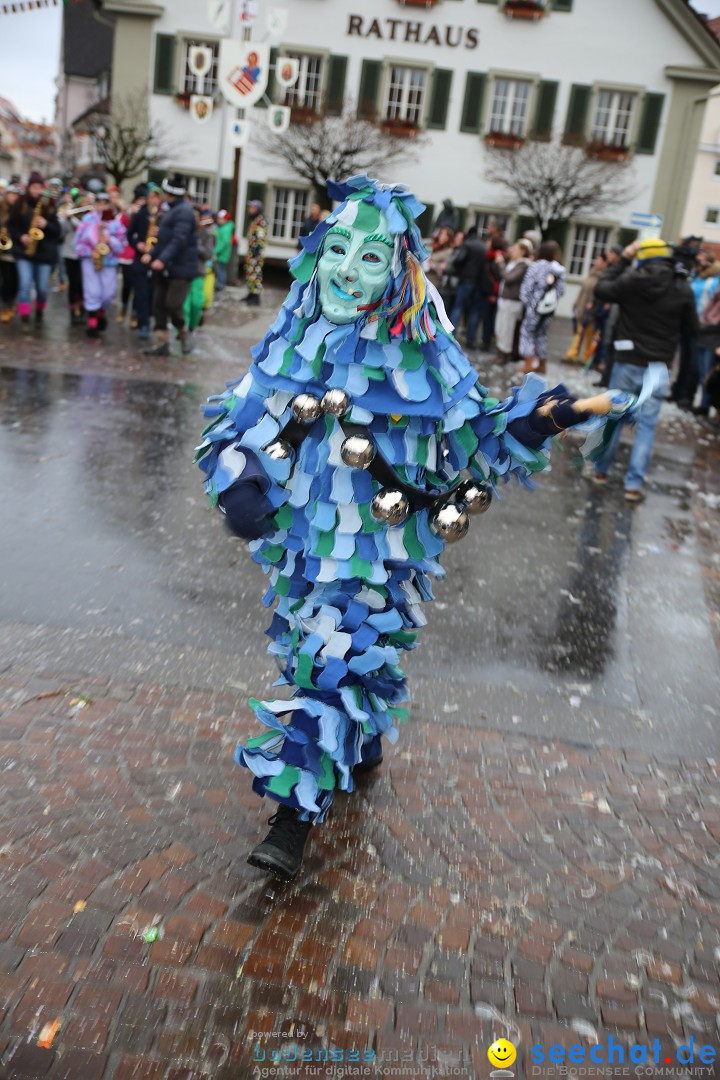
x=694 y=29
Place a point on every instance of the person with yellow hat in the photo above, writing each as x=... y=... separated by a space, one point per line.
x=656 y=306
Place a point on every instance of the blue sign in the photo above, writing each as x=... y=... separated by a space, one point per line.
x=646 y=221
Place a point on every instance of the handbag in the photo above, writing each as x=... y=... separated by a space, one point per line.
x=548 y=302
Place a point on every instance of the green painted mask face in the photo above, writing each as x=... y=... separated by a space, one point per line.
x=355 y=265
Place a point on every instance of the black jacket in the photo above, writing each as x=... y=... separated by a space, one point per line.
x=138 y=230
x=469 y=264
x=656 y=307
x=177 y=241
x=20 y=221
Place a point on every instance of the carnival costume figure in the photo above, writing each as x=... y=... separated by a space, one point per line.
x=99 y=242
x=353 y=450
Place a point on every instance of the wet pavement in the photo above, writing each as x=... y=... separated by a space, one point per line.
x=538 y=856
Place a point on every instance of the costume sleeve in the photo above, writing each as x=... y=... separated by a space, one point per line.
x=528 y=284
x=83 y=243
x=117 y=238
x=249 y=416
x=613 y=285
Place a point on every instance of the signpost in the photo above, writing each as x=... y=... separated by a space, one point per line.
x=649 y=225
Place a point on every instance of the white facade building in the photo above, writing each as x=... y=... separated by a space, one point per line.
x=702 y=213
x=623 y=79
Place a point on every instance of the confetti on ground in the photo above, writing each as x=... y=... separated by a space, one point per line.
x=80 y=906
x=48 y=1033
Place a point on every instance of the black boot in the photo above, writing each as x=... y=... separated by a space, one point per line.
x=281 y=851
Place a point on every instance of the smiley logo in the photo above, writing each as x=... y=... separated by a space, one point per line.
x=502 y=1053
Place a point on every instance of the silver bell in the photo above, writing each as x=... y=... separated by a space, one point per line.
x=306 y=408
x=279 y=450
x=476 y=499
x=390 y=506
x=335 y=402
x=357 y=451
x=451 y=523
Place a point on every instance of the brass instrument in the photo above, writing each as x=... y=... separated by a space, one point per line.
x=151 y=238
x=5 y=241
x=35 y=232
x=77 y=210
x=102 y=248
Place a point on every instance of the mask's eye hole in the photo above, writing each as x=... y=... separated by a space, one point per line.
x=370 y=256
x=337 y=249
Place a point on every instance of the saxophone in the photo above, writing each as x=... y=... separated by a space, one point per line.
x=151 y=238
x=102 y=248
x=35 y=232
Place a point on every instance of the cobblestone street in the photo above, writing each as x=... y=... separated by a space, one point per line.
x=537 y=858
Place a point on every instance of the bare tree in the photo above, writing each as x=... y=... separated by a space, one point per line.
x=334 y=147
x=127 y=142
x=554 y=182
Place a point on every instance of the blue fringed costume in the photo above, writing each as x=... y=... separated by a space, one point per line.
x=348 y=587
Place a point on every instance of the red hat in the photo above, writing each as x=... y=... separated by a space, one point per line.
x=112 y=189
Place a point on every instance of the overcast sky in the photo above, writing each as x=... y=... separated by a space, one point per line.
x=31 y=51
x=30 y=60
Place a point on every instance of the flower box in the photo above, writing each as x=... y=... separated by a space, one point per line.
x=403 y=128
x=501 y=140
x=606 y=152
x=524 y=9
x=183 y=100
x=303 y=114
x=418 y=3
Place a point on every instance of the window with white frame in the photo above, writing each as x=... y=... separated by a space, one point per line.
x=483 y=217
x=405 y=94
x=191 y=83
x=613 y=117
x=198 y=188
x=712 y=215
x=306 y=91
x=289 y=210
x=510 y=106
x=589 y=241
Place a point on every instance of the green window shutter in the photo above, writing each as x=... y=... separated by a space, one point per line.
x=226 y=195
x=270 y=88
x=649 y=123
x=439 y=98
x=626 y=236
x=577 y=114
x=471 y=119
x=562 y=5
x=156 y=176
x=369 y=89
x=524 y=223
x=254 y=190
x=425 y=221
x=163 y=82
x=337 y=72
x=462 y=217
x=544 y=111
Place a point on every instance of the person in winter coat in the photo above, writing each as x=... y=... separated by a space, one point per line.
x=583 y=313
x=127 y=259
x=174 y=260
x=469 y=263
x=8 y=269
x=195 y=302
x=99 y=242
x=542 y=287
x=255 y=258
x=656 y=307
x=70 y=222
x=35 y=257
x=142 y=234
x=442 y=249
x=223 y=248
x=509 y=304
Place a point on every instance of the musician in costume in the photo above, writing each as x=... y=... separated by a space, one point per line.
x=35 y=233
x=174 y=261
x=255 y=257
x=99 y=242
x=142 y=237
x=8 y=268
x=358 y=444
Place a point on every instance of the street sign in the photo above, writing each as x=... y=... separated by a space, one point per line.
x=646 y=221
